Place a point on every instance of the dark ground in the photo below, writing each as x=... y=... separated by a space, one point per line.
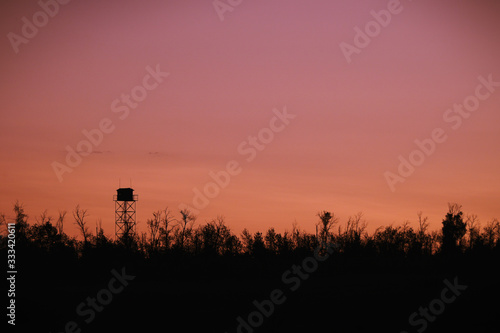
x=186 y=294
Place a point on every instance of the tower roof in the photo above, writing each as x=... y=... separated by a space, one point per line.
x=125 y=194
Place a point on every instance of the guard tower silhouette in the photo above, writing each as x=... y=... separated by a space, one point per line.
x=125 y=223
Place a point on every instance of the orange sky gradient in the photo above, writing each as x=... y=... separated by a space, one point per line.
x=352 y=120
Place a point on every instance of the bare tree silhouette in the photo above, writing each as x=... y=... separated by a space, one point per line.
x=60 y=221
x=3 y=224
x=21 y=221
x=327 y=221
x=44 y=218
x=492 y=233
x=186 y=225
x=167 y=227
x=424 y=240
x=79 y=216
x=153 y=225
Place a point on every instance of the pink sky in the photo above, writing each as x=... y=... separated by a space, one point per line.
x=352 y=120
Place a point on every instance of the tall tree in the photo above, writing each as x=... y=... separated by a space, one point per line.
x=454 y=228
x=247 y=240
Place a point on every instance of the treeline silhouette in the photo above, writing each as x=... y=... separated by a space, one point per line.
x=168 y=235
x=204 y=276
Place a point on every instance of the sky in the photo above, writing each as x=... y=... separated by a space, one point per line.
x=297 y=106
